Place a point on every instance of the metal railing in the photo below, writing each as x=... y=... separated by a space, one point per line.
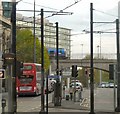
x=95 y=56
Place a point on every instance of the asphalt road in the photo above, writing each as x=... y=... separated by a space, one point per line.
x=31 y=103
x=103 y=101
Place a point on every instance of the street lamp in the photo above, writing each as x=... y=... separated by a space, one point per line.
x=98 y=50
x=82 y=50
x=100 y=32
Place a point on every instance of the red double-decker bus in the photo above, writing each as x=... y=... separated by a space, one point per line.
x=30 y=82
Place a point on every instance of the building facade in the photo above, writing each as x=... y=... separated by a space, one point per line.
x=49 y=31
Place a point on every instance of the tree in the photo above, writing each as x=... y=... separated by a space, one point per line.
x=87 y=56
x=25 y=47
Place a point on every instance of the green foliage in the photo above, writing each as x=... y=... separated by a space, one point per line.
x=25 y=48
x=84 y=79
x=87 y=56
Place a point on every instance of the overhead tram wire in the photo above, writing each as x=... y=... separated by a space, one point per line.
x=40 y=5
x=61 y=11
x=105 y=23
x=71 y=5
x=54 y=12
x=106 y=13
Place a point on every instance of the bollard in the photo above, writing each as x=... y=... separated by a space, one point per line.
x=63 y=92
x=52 y=98
x=80 y=95
x=3 y=105
x=67 y=97
x=77 y=96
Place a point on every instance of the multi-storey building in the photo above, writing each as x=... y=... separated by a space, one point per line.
x=49 y=31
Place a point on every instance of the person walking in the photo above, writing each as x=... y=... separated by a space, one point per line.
x=71 y=92
x=80 y=94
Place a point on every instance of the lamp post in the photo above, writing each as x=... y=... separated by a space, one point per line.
x=98 y=50
x=100 y=45
x=82 y=50
x=100 y=56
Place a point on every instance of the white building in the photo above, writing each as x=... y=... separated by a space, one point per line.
x=49 y=33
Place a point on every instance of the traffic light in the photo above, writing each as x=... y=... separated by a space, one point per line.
x=60 y=72
x=74 y=71
x=111 y=71
x=86 y=72
x=2 y=73
x=19 y=68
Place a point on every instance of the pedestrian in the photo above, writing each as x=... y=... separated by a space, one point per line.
x=80 y=93
x=71 y=92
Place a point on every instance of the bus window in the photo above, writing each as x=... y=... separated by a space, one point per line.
x=27 y=67
x=38 y=68
x=26 y=79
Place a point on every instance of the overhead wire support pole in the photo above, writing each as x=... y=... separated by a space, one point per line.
x=47 y=74
x=118 y=66
x=34 y=49
x=57 y=89
x=57 y=47
x=13 y=21
x=91 y=62
x=42 y=62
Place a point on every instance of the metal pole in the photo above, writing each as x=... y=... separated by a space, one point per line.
x=118 y=67
x=34 y=51
x=10 y=102
x=74 y=89
x=82 y=50
x=56 y=92
x=91 y=63
x=47 y=91
x=42 y=62
x=100 y=58
x=98 y=50
x=13 y=21
x=57 y=46
x=115 y=67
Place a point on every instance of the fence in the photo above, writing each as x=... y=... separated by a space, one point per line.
x=95 y=56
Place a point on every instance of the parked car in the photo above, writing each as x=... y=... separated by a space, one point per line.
x=111 y=85
x=77 y=84
x=107 y=85
x=104 y=85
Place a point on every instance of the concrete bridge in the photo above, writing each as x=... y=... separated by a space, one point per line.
x=102 y=64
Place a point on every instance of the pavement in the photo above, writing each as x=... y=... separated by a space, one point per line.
x=81 y=107
x=68 y=104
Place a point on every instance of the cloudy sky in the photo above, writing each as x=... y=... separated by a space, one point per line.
x=104 y=11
